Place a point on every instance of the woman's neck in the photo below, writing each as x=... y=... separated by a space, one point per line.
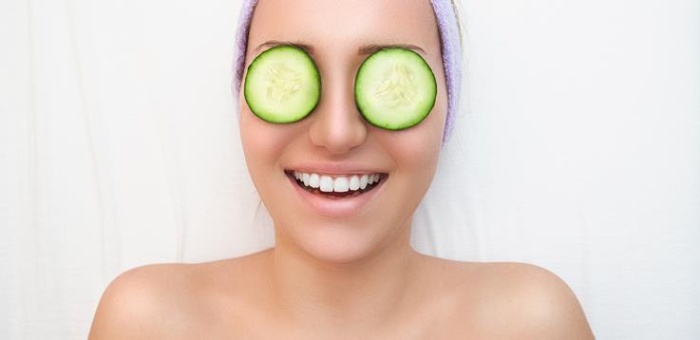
x=358 y=293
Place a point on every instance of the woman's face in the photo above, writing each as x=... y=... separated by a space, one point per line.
x=334 y=141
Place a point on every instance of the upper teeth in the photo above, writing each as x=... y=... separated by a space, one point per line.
x=327 y=183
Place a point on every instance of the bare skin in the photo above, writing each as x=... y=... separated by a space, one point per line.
x=341 y=271
x=434 y=299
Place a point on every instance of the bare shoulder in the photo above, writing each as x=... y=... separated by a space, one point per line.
x=167 y=301
x=537 y=302
x=517 y=301
x=135 y=305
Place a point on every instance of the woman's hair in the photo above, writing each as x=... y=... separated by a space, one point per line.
x=450 y=43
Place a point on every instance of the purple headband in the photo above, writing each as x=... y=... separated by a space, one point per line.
x=448 y=27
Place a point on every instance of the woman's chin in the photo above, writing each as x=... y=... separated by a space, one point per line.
x=339 y=245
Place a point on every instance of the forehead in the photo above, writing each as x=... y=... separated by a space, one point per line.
x=340 y=25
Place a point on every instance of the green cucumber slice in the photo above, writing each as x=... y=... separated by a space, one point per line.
x=282 y=85
x=395 y=88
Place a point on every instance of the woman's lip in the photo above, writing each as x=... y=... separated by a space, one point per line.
x=335 y=172
x=336 y=206
x=336 y=169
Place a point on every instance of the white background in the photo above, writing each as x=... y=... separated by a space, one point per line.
x=577 y=149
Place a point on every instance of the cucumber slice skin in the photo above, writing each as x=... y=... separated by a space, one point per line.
x=413 y=102
x=291 y=64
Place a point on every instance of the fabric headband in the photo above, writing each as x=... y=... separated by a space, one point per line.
x=448 y=28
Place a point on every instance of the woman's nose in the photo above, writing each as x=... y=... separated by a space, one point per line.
x=337 y=126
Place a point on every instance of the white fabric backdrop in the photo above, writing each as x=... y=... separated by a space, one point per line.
x=578 y=150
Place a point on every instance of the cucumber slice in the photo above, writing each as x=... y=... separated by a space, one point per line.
x=282 y=85
x=395 y=88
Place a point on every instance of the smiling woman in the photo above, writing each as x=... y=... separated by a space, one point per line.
x=342 y=190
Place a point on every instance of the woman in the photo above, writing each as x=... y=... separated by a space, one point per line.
x=342 y=266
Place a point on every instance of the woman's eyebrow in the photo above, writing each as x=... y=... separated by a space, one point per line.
x=369 y=49
x=273 y=43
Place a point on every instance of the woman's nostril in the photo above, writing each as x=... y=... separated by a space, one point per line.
x=338 y=129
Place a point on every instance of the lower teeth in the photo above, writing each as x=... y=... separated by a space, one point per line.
x=333 y=193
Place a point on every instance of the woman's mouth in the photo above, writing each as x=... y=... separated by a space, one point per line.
x=336 y=186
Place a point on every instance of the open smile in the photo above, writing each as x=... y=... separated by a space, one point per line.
x=336 y=186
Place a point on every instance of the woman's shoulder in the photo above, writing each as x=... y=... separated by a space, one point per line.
x=514 y=300
x=159 y=301
x=136 y=298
